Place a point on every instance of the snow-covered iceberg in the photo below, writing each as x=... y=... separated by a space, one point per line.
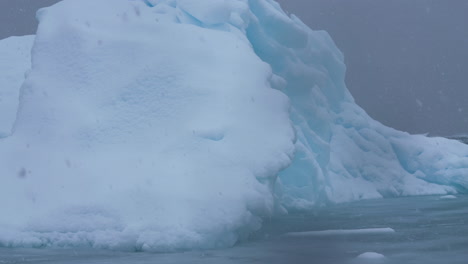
x=180 y=124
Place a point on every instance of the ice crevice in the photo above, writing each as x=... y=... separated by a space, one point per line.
x=180 y=124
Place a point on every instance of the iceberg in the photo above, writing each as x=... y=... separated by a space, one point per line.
x=169 y=125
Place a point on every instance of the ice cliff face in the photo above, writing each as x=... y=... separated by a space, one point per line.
x=180 y=124
x=15 y=60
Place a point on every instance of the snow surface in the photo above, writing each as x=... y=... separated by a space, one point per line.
x=180 y=124
x=15 y=61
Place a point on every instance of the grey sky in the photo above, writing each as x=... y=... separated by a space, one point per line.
x=18 y=17
x=407 y=59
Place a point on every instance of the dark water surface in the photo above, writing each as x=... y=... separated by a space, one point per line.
x=428 y=230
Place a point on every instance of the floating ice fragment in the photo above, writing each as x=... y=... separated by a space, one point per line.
x=371 y=255
x=448 y=197
x=367 y=231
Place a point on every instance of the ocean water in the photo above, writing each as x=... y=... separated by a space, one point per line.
x=427 y=229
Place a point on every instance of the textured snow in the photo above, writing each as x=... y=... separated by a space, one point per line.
x=180 y=124
x=15 y=61
x=123 y=119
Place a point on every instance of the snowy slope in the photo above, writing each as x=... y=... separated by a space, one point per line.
x=180 y=124
x=15 y=60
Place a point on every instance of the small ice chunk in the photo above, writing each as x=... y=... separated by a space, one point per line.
x=448 y=197
x=369 y=231
x=371 y=255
